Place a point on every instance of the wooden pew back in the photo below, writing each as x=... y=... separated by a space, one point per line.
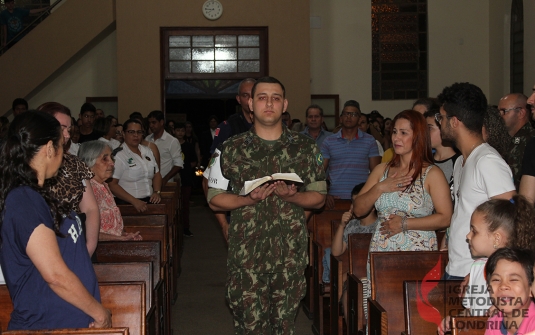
x=321 y=240
x=125 y=300
x=127 y=272
x=357 y=249
x=151 y=228
x=342 y=205
x=79 y=331
x=388 y=271
x=378 y=318
x=422 y=313
x=131 y=251
x=6 y=307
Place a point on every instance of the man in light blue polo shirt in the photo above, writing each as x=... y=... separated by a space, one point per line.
x=349 y=155
x=314 y=114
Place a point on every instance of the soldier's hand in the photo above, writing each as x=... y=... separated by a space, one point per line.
x=284 y=191
x=262 y=192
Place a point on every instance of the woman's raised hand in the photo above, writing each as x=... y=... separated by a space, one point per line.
x=394 y=183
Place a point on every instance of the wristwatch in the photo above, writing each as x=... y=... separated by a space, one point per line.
x=158 y=192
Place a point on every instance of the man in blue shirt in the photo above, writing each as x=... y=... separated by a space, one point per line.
x=349 y=155
x=11 y=21
x=314 y=115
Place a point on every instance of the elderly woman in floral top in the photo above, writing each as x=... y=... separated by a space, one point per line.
x=97 y=155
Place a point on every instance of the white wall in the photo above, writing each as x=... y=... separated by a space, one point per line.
x=341 y=49
x=92 y=73
x=468 y=41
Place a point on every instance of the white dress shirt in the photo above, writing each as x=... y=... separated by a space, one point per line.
x=170 y=152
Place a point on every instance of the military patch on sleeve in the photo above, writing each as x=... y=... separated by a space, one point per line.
x=319 y=159
x=216 y=178
x=213 y=159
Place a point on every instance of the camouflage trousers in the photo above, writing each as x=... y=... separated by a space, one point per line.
x=265 y=303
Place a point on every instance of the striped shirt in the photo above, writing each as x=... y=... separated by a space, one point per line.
x=349 y=163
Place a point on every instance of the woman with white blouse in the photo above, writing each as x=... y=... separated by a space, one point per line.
x=136 y=179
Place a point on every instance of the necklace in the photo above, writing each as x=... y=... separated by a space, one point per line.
x=462 y=167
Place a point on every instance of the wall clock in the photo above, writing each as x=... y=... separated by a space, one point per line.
x=212 y=9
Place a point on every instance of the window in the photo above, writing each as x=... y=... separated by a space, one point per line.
x=399 y=49
x=517 y=46
x=211 y=53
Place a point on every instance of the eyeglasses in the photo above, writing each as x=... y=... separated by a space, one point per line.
x=439 y=117
x=348 y=114
x=504 y=111
x=134 y=132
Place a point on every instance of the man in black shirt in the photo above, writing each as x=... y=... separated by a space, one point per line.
x=87 y=115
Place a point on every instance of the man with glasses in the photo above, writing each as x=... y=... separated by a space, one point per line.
x=480 y=174
x=516 y=114
x=314 y=115
x=87 y=115
x=349 y=155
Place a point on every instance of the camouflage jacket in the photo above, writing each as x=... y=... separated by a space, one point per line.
x=271 y=235
x=516 y=153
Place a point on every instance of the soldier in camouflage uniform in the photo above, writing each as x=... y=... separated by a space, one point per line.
x=267 y=237
x=514 y=111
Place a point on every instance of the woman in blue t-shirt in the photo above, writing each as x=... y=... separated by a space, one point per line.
x=43 y=254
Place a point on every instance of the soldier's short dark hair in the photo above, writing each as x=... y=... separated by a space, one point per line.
x=268 y=80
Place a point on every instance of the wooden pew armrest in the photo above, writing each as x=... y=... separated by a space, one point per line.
x=73 y=331
x=355 y=303
x=377 y=318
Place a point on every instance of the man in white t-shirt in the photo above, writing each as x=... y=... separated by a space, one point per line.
x=171 y=160
x=480 y=174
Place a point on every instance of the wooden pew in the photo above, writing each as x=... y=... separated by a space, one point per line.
x=177 y=233
x=339 y=205
x=443 y=296
x=321 y=291
x=388 y=271
x=339 y=267
x=378 y=319
x=141 y=251
x=357 y=248
x=77 y=331
x=125 y=300
x=468 y=325
x=139 y=271
x=167 y=207
x=151 y=228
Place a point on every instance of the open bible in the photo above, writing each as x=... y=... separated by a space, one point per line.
x=250 y=185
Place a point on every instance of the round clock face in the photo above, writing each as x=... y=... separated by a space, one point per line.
x=212 y=9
